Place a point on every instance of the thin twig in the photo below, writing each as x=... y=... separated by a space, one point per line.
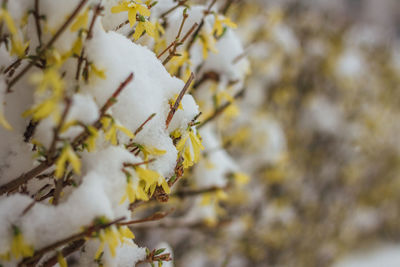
x=154 y=217
x=97 y=12
x=134 y=165
x=138 y=130
x=36 y=14
x=178 y=100
x=180 y=3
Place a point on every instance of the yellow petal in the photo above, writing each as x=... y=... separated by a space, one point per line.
x=119 y=8
x=61 y=260
x=125 y=130
x=60 y=164
x=4 y=122
x=165 y=186
x=81 y=21
x=143 y=10
x=138 y=31
x=150 y=29
x=132 y=16
x=99 y=251
x=9 y=21
x=182 y=142
x=74 y=160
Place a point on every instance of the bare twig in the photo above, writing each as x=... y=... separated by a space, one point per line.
x=154 y=217
x=180 y=3
x=178 y=100
x=134 y=165
x=36 y=14
x=138 y=130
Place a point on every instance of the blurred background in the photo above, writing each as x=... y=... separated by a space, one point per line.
x=318 y=134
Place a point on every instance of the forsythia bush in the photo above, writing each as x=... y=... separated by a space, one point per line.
x=98 y=118
x=130 y=130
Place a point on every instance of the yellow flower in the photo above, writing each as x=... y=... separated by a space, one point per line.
x=67 y=155
x=196 y=145
x=141 y=27
x=186 y=149
x=18 y=246
x=125 y=234
x=98 y=72
x=147 y=175
x=149 y=150
x=152 y=180
x=44 y=109
x=111 y=237
x=81 y=21
x=134 y=190
x=208 y=42
x=110 y=128
x=18 y=47
x=91 y=140
x=220 y=21
x=6 y=17
x=49 y=79
x=132 y=7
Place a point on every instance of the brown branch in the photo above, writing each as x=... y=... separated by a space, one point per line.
x=30 y=130
x=57 y=191
x=154 y=217
x=206 y=12
x=36 y=15
x=97 y=11
x=79 y=66
x=65 y=252
x=111 y=101
x=47 y=46
x=144 y=123
x=57 y=130
x=180 y=3
x=134 y=165
x=178 y=100
x=23 y=178
x=177 y=43
x=12 y=66
x=86 y=233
